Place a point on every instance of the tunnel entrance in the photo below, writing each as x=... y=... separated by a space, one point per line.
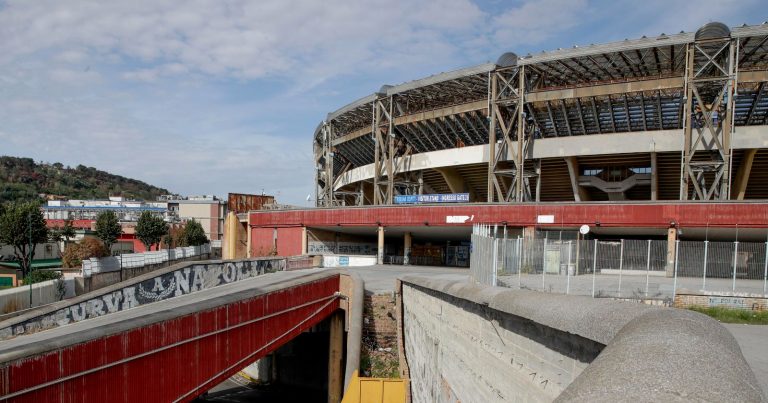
x=297 y=371
x=415 y=245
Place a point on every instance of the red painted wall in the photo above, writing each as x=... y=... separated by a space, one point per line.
x=262 y=243
x=289 y=241
x=659 y=215
x=172 y=373
x=77 y=224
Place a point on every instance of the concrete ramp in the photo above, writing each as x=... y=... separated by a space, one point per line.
x=175 y=349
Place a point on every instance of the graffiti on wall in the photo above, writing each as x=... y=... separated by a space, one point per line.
x=346 y=248
x=186 y=280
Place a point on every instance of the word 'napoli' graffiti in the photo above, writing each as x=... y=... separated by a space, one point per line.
x=167 y=285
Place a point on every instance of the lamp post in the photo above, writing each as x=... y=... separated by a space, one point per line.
x=29 y=259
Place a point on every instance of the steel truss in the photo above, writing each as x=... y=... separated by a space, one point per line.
x=512 y=119
x=710 y=80
x=683 y=82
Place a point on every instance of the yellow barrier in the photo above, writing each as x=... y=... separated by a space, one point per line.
x=374 y=390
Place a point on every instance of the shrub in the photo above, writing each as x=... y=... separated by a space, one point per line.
x=83 y=250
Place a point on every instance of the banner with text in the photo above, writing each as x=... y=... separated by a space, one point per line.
x=433 y=198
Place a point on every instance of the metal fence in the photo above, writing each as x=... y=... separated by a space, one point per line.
x=625 y=268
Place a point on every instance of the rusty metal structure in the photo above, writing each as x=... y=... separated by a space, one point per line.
x=674 y=117
x=240 y=203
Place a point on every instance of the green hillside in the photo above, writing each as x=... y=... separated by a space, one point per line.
x=23 y=179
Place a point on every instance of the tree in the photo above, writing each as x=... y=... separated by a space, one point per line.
x=150 y=229
x=193 y=234
x=67 y=231
x=108 y=229
x=61 y=234
x=22 y=226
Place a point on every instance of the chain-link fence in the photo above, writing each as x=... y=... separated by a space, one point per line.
x=627 y=268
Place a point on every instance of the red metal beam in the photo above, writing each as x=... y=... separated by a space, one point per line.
x=658 y=215
x=174 y=360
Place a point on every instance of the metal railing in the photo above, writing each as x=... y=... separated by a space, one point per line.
x=626 y=268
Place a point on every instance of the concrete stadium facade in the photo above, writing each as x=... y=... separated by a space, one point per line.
x=645 y=138
x=668 y=118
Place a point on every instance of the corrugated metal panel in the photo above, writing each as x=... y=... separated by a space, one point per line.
x=658 y=215
x=620 y=46
x=192 y=358
x=243 y=203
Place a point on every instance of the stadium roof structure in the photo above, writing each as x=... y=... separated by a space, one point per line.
x=693 y=88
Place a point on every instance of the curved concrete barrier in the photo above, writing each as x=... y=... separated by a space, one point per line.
x=668 y=355
x=466 y=342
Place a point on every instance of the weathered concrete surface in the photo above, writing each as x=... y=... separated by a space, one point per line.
x=752 y=340
x=465 y=342
x=381 y=278
x=171 y=282
x=668 y=355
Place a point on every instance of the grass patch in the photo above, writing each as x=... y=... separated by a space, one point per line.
x=379 y=365
x=730 y=315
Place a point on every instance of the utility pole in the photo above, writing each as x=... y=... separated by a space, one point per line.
x=29 y=258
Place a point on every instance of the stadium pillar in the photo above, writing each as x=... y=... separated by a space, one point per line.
x=408 y=240
x=303 y=241
x=710 y=82
x=492 y=140
x=579 y=195
x=380 y=246
x=671 y=238
x=654 y=177
x=742 y=175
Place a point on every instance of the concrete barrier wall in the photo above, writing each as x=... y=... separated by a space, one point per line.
x=174 y=281
x=466 y=342
x=104 y=279
x=46 y=292
x=138 y=260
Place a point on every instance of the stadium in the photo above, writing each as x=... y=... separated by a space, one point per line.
x=651 y=137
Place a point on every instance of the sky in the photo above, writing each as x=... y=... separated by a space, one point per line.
x=212 y=97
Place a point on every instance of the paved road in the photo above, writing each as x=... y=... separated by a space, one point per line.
x=753 y=340
x=381 y=278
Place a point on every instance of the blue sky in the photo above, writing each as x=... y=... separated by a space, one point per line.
x=210 y=97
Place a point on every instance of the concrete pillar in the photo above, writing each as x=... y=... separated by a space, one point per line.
x=654 y=177
x=380 y=245
x=303 y=240
x=742 y=175
x=579 y=194
x=407 y=248
x=529 y=232
x=335 y=358
x=671 y=238
x=248 y=252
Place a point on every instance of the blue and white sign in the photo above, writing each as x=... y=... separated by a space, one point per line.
x=343 y=260
x=433 y=198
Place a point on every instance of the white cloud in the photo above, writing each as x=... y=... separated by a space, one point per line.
x=243 y=39
x=217 y=96
x=533 y=22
